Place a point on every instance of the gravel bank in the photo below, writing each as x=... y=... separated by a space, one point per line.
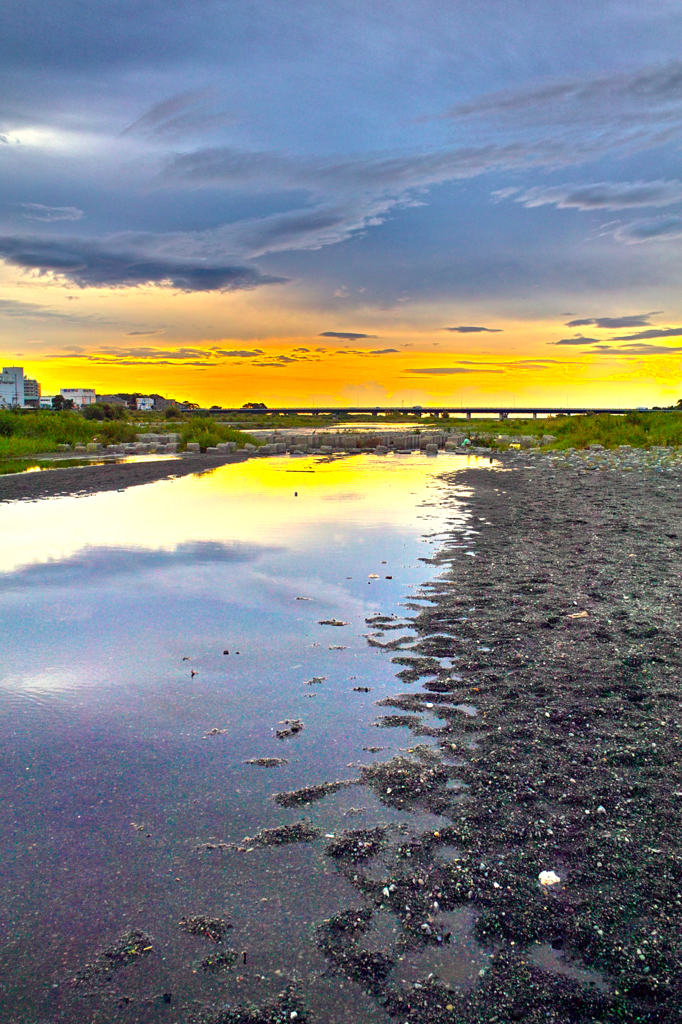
x=550 y=661
x=79 y=481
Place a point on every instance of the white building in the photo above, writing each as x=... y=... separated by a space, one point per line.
x=46 y=401
x=31 y=393
x=17 y=390
x=79 y=396
x=144 y=404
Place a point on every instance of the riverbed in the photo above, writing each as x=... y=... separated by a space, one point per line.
x=376 y=738
x=155 y=640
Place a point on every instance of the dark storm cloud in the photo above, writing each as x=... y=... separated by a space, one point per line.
x=603 y=195
x=346 y=335
x=142 y=334
x=613 y=323
x=90 y=263
x=473 y=330
x=382 y=351
x=94 y=564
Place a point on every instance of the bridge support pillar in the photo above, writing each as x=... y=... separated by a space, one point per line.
x=535 y=415
x=468 y=415
x=504 y=415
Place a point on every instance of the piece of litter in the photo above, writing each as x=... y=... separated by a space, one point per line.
x=373 y=576
x=578 y=615
x=548 y=878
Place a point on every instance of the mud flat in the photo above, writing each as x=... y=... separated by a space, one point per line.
x=76 y=481
x=550 y=659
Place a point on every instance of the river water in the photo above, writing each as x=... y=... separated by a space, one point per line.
x=126 y=723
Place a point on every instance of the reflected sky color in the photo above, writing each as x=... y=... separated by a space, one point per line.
x=115 y=613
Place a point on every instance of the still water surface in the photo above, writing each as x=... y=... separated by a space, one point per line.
x=116 y=611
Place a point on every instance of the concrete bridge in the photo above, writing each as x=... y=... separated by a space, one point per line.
x=442 y=411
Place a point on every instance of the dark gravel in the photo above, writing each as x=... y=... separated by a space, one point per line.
x=560 y=638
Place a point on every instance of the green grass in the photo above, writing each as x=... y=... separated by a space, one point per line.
x=638 y=429
x=208 y=434
x=28 y=433
x=23 y=434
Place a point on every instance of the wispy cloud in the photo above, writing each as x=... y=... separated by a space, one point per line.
x=576 y=341
x=473 y=330
x=613 y=323
x=161 y=356
x=189 y=113
x=651 y=230
x=36 y=211
x=238 y=353
x=346 y=335
x=640 y=349
x=16 y=308
x=127 y=261
x=602 y=195
x=666 y=332
x=446 y=370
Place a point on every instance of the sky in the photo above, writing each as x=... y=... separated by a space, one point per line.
x=344 y=201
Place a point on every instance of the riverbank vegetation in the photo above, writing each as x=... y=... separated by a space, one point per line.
x=638 y=429
x=28 y=433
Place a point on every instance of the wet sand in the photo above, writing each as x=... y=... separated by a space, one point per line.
x=115 y=476
x=563 y=628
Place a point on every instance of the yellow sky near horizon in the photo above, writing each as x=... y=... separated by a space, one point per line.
x=268 y=345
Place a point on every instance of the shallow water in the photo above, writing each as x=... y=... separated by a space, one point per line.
x=116 y=610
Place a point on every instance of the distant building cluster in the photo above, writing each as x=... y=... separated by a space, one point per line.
x=20 y=392
x=17 y=391
x=145 y=403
